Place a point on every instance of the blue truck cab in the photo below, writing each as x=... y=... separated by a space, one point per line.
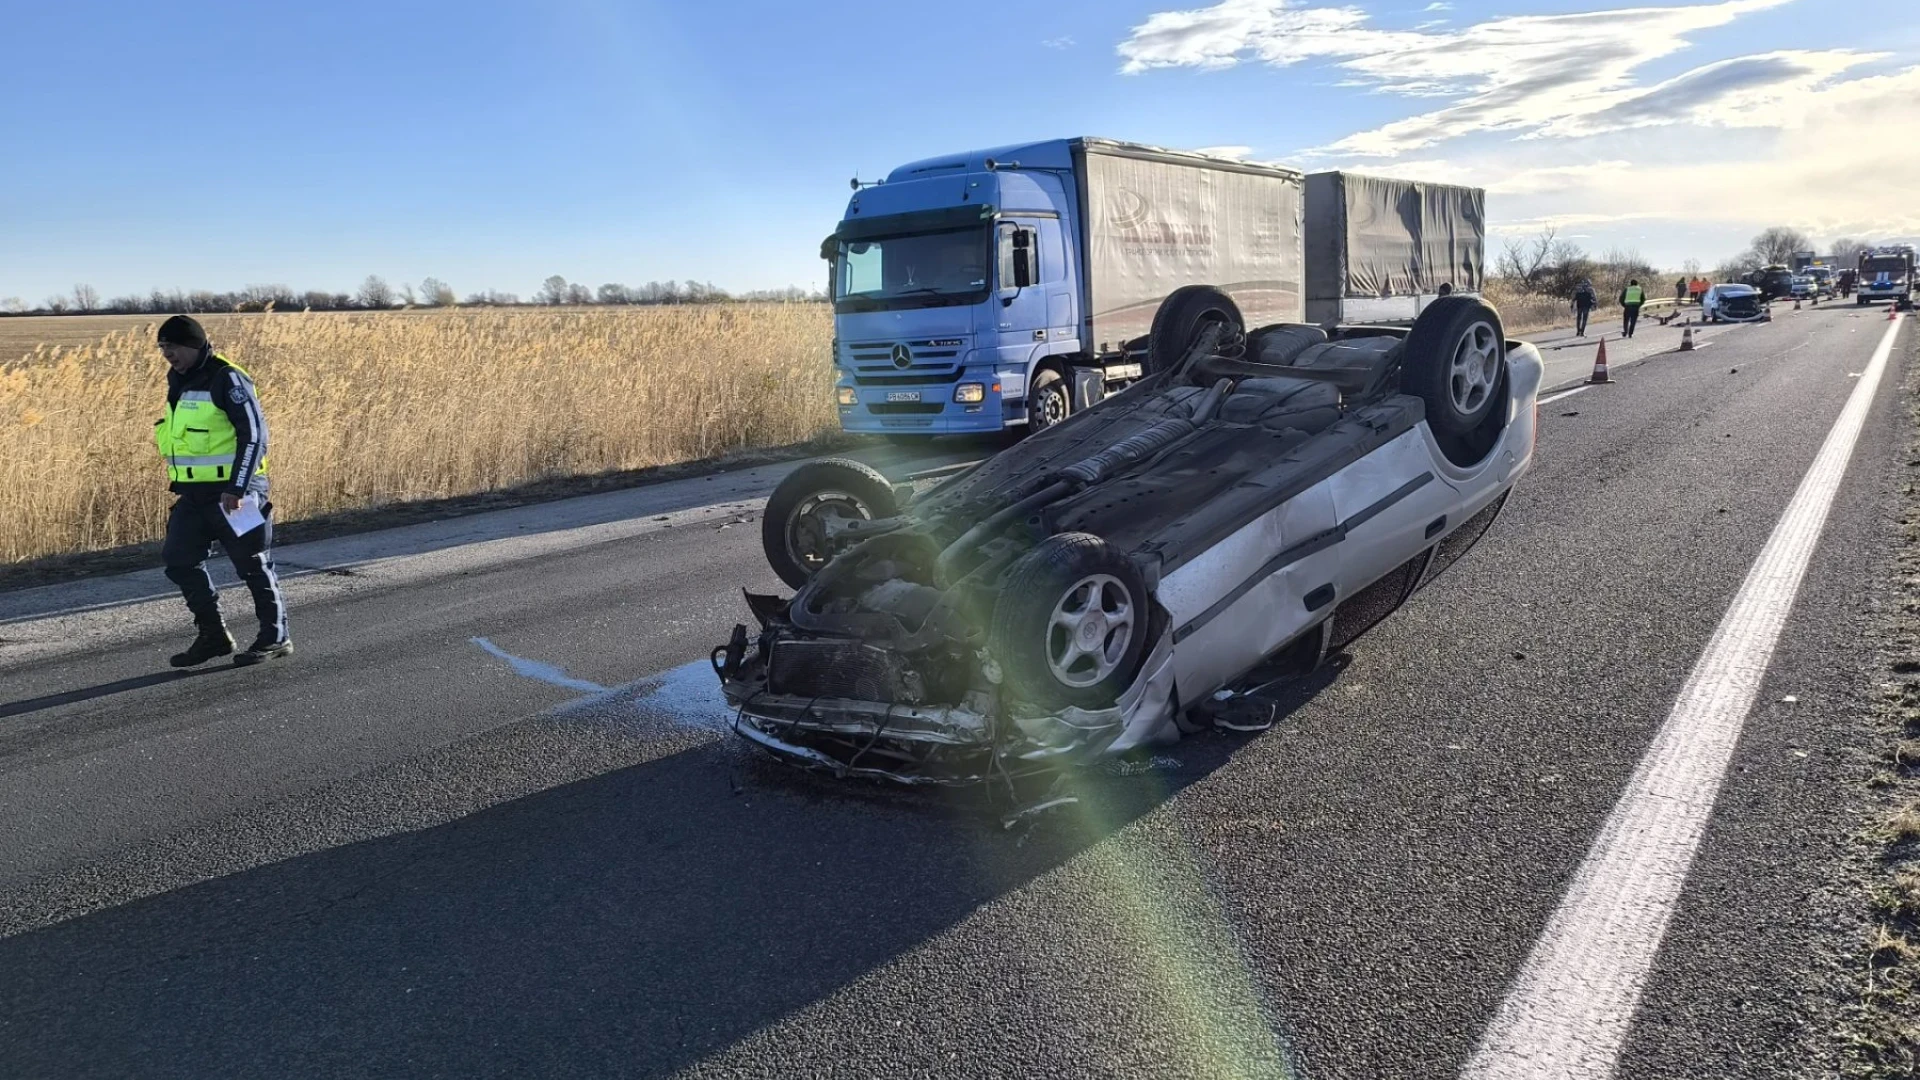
x=954 y=285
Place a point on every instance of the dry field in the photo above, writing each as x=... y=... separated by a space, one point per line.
x=374 y=408
x=20 y=335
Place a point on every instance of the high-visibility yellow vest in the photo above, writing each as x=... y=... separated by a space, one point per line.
x=197 y=441
x=1636 y=295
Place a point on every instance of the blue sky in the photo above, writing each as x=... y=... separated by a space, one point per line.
x=213 y=145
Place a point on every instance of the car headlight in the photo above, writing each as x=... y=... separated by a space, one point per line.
x=848 y=395
x=970 y=393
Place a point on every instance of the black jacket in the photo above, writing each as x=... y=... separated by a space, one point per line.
x=234 y=393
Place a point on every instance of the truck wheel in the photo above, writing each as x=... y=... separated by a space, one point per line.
x=1455 y=360
x=1182 y=315
x=1070 y=626
x=793 y=529
x=1048 y=402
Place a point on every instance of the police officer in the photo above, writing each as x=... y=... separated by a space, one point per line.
x=1631 y=298
x=214 y=441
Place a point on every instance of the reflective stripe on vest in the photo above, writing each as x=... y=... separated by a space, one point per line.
x=197 y=441
x=1636 y=295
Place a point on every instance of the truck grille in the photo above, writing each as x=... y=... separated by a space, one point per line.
x=877 y=357
x=905 y=408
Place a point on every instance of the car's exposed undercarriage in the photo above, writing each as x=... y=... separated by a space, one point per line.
x=1027 y=612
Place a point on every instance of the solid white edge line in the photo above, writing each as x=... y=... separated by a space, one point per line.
x=1568 y=1012
x=1561 y=396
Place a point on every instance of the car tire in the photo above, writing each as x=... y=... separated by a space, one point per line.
x=790 y=530
x=1455 y=360
x=1181 y=317
x=1070 y=625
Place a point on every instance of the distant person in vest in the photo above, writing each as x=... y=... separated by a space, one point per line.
x=1631 y=298
x=214 y=441
x=1584 y=301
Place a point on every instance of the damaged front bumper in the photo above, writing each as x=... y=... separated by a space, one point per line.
x=980 y=739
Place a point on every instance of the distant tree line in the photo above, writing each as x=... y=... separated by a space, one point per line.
x=374 y=294
x=1550 y=265
x=1775 y=247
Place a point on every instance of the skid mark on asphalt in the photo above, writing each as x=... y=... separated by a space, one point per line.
x=1569 y=1009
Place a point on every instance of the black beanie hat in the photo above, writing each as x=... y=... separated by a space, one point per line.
x=181 y=330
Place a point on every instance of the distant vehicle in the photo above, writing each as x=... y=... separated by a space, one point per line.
x=1732 y=302
x=1886 y=273
x=1804 y=287
x=1774 y=282
x=1804 y=259
x=1823 y=283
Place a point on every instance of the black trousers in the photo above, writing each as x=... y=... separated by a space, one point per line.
x=193 y=528
x=1629 y=318
x=1580 y=319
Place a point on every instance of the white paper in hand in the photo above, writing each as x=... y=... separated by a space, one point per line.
x=247 y=518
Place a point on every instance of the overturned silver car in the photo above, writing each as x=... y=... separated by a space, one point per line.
x=1259 y=495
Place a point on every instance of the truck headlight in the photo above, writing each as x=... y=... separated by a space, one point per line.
x=848 y=395
x=970 y=393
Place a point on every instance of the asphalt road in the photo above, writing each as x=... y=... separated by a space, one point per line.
x=486 y=822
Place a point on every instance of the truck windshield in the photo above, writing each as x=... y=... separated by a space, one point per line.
x=1886 y=265
x=932 y=269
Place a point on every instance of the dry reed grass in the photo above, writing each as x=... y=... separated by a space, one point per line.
x=373 y=408
x=1527 y=313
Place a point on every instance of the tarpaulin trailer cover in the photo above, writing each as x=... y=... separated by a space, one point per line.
x=1378 y=250
x=1155 y=220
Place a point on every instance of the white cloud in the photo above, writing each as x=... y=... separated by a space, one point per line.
x=1830 y=169
x=1526 y=74
x=1438 y=5
x=1556 y=117
x=1059 y=43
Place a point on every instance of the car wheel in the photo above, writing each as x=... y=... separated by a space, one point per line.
x=1182 y=315
x=1455 y=360
x=793 y=530
x=1048 y=402
x=1070 y=625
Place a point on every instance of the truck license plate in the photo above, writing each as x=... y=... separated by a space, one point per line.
x=903 y=395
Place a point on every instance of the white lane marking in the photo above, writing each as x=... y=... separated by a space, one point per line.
x=1569 y=1009
x=1561 y=396
x=535 y=669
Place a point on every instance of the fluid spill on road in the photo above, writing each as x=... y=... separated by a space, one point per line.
x=540 y=670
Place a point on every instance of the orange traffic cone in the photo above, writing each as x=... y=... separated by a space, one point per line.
x=1600 y=365
x=1686 y=339
x=1891 y=308
x=1796 y=303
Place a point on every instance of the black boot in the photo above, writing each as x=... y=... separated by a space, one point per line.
x=266 y=647
x=212 y=641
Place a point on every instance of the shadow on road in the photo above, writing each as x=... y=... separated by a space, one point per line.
x=118 y=686
x=632 y=924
